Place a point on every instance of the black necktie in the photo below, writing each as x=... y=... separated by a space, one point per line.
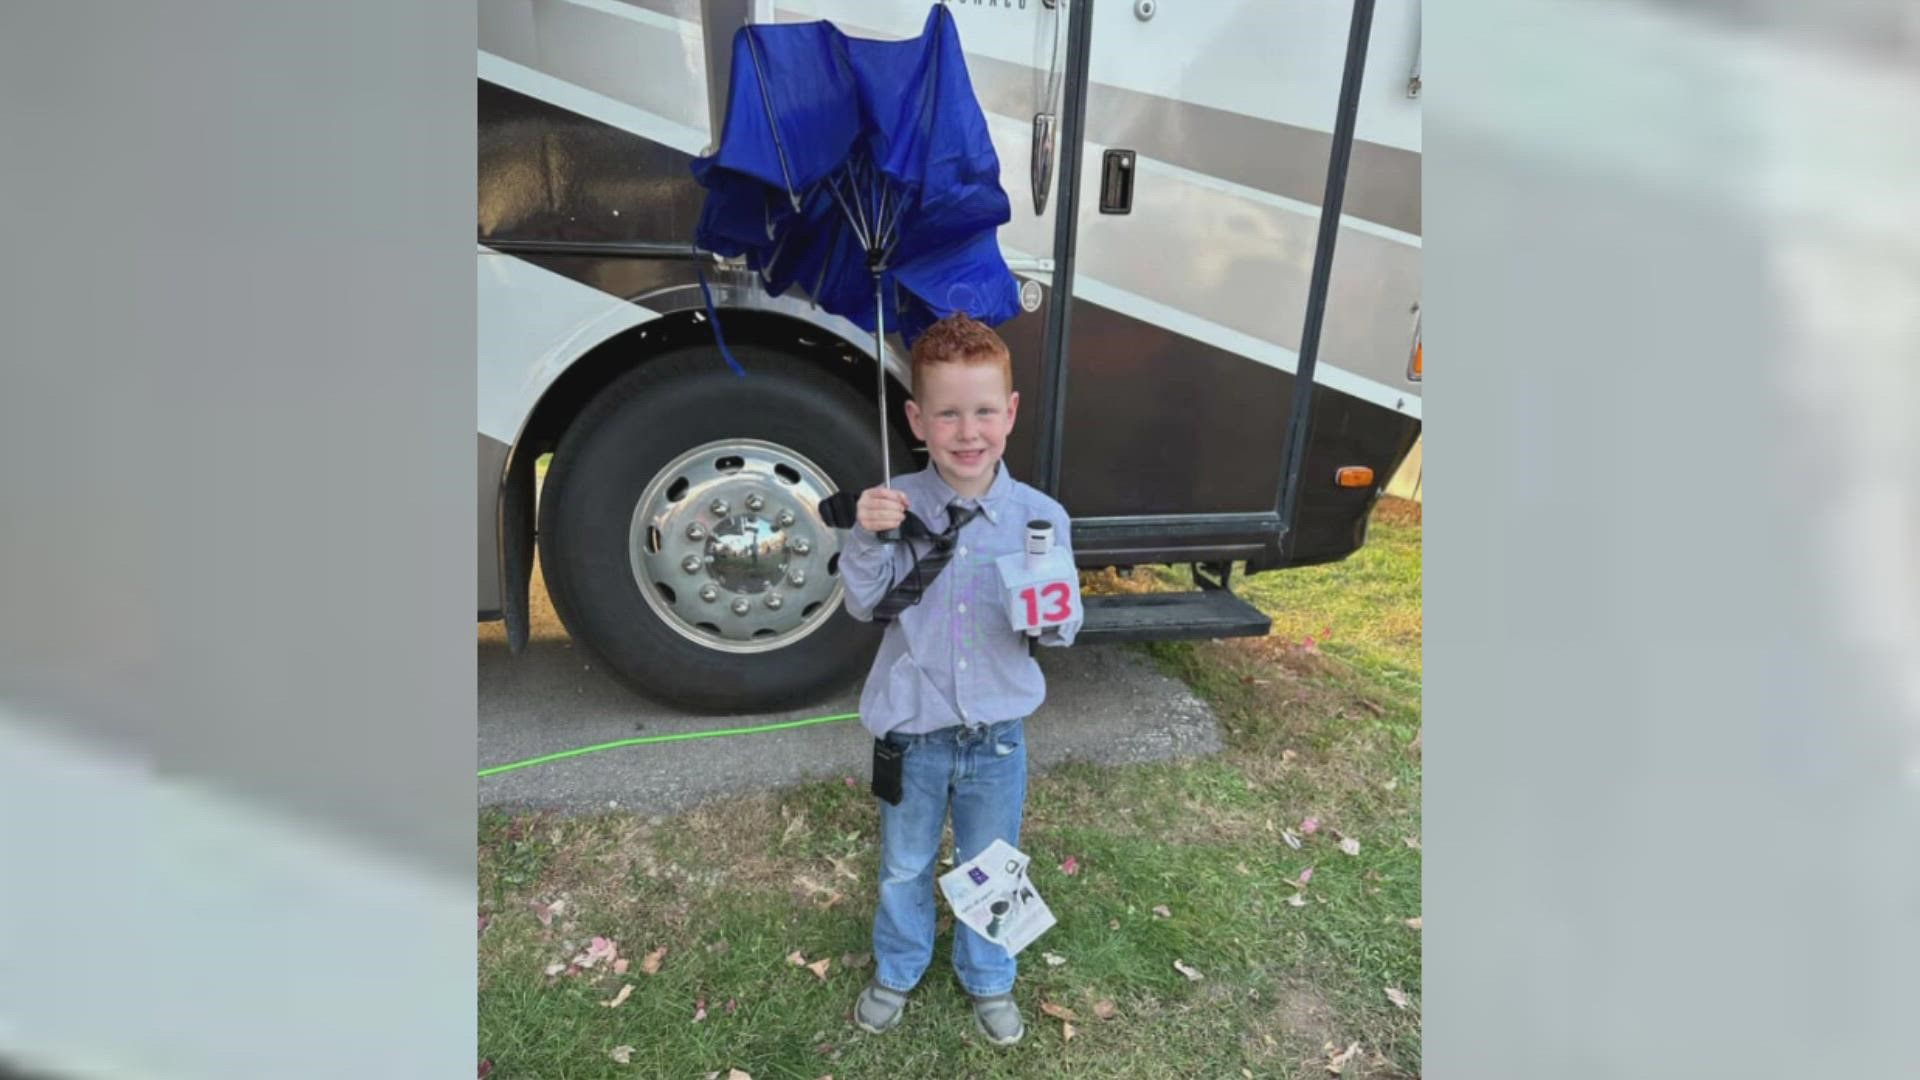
x=925 y=568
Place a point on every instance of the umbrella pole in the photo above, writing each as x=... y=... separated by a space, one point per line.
x=880 y=365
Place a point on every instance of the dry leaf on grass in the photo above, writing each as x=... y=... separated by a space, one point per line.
x=797 y=958
x=819 y=967
x=1292 y=838
x=736 y=1074
x=1113 y=924
x=619 y=998
x=623 y=1054
x=1350 y=846
x=1296 y=900
x=731 y=1006
x=1192 y=974
x=620 y=966
x=1287 y=756
x=1414 y=922
x=856 y=961
x=555 y=969
x=1412 y=842
x=1066 y=1032
x=1104 y=1010
x=699 y=1009
x=597 y=950
x=1053 y=959
x=1162 y=911
x=1339 y=1061
x=1058 y=1012
x=1305 y=876
x=1070 y=867
x=650 y=964
x=1397 y=996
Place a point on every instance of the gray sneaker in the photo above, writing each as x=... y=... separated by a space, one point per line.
x=998 y=1018
x=878 y=1009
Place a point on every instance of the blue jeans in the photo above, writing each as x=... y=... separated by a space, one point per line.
x=983 y=776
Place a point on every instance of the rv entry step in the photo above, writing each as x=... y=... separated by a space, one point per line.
x=1208 y=613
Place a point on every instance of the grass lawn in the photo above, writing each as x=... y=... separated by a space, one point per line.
x=1290 y=975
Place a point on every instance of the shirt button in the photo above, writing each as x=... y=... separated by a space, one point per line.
x=963 y=553
x=963 y=609
x=963 y=665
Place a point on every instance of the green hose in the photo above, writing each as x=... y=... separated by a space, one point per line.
x=644 y=740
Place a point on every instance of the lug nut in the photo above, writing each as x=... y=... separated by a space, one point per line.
x=784 y=518
x=801 y=546
x=719 y=507
x=774 y=601
x=740 y=606
x=709 y=593
x=755 y=502
x=798 y=577
x=696 y=531
x=691 y=564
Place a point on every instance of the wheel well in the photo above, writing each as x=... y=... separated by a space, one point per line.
x=623 y=352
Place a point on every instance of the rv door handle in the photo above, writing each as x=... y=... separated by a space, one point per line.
x=1042 y=165
x=1116 y=182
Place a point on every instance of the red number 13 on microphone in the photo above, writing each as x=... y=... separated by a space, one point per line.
x=1058 y=592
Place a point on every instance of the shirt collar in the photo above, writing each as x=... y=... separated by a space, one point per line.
x=992 y=504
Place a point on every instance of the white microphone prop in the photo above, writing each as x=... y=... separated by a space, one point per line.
x=1042 y=584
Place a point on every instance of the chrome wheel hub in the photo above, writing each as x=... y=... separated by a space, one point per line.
x=729 y=549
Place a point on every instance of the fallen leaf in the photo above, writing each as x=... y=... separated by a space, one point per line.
x=1113 y=924
x=797 y=958
x=619 y=998
x=1296 y=900
x=650 y=964
x=1070 y=867
x=1414 y=922
x=819 y=967
x=599 y=949
x=856 y=961
x=1248 y=1073
x=1310 y=826
x=1397 y=996
x=623 y=1054
x=1306 y=876
x=1058 y=1012
x=1053 y=959
x=1066 y=1032
x=699 y=1009
x=731 y=1006
x=1287 y=756
x=1350 y=846
x=1192 y=974
x=1412 y=842
x=1292 y=838
x=1339 y=1060
x=1161 y=910
x=1241 y=868
x=736 y=1074
x=620 y=966
x=555 y=969
x=486 y=1068
x=1104 y=1010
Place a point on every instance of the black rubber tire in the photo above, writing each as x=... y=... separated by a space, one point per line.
x=601 y=468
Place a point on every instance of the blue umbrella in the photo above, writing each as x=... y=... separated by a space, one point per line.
x=862 y=172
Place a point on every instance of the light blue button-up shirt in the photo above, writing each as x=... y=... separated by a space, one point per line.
x=953 y=658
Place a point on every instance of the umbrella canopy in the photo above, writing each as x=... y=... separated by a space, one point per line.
x=860 y=171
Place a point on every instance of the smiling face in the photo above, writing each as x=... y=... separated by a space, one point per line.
x=963 y=412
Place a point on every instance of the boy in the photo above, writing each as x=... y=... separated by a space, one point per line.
x=952 y=682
